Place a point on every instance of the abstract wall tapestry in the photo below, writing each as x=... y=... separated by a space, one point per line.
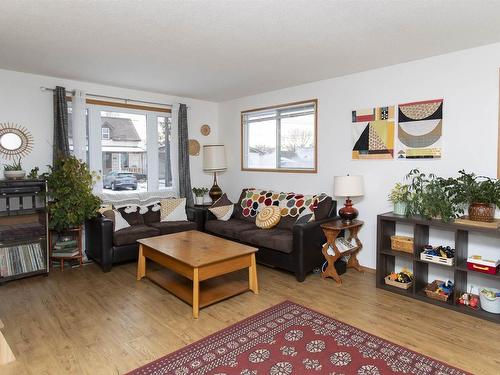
x=373 y=133
x=420 y=126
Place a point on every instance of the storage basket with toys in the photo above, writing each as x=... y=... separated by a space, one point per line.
x=439 y=290
x=478 y=264
x=402 y=243
x=490 y=300
x=402 y=280
x=440 y=255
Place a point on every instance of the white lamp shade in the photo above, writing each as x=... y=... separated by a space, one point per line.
x=348 y=186
x=214 y=158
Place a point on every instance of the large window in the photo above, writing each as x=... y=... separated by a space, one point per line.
x=280 y=138
x=129 y=147
x=124 y=152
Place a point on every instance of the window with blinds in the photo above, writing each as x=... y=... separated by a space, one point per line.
x=280 y=138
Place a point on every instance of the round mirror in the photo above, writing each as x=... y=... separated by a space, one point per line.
x=11 y=141
x=15 y=141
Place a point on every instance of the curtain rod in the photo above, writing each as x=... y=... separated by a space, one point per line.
x=109 y=97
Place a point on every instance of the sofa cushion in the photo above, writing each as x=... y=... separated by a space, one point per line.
x=173 y=209
x=133 y=233
x=152 y=216
x=167 y=227
x=276 y=239
x=222 y=208
x=268 y=217
x=323 y=207
x=231 y=228
x=134 y=217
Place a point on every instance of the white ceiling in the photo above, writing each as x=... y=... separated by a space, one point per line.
x=223 y=49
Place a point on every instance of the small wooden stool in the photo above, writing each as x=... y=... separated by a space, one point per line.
x=332 y=230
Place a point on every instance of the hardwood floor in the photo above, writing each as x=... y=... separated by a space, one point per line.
x=84 y=321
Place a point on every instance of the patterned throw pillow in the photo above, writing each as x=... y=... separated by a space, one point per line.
x=173 y=209
x=116 y=217
x=222 y=208
x=269 y=217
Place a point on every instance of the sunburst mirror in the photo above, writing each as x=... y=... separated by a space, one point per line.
x=15 y=140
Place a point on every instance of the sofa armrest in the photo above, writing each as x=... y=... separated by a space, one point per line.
x=99 y=236
x=197 y=216
x=308 y=239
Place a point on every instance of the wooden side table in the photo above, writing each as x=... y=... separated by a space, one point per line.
x=332 y=230
x=77 y=233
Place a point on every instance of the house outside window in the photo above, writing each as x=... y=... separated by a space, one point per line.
x=280 y=138
x=118 y=140
x=105 y=133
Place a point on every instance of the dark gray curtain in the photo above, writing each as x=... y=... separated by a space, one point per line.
x=184 y=172
x=61 y=142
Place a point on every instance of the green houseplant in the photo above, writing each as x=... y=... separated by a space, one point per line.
x=430 y=196
x=199 y=193
x=480 y=193
x=399 y=196
x=14 y=171
x=71 y=201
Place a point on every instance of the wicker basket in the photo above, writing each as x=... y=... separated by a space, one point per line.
x=397 y=284
x=402 y=243
x=431 y=289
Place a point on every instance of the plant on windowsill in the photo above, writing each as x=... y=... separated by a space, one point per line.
x=399 y=196
x=71 y=200
x=480 y=193
x=199 y=194
x=14 y=171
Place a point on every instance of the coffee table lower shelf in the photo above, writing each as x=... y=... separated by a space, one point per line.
x=211 y=290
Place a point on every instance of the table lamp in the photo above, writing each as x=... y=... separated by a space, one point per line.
x=214 y=160
x=348 y=186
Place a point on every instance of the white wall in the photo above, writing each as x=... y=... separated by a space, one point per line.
x=22 y=102
x=468 y=82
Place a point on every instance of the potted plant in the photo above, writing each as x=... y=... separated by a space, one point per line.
x=480 y=193
x=199 y=194
x=399 y=196
x=71 y=201
x=431 y=197
x=14 y=171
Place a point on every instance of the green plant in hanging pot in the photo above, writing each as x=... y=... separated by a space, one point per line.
x=480 y=193
x=399 y=196
x=71 y=200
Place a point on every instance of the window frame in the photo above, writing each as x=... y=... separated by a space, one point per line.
x=244 y=137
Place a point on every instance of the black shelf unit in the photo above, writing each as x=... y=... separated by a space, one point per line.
x=386 y=258
x=23 y=229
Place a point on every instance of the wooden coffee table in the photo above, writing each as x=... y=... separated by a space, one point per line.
x=197 y=267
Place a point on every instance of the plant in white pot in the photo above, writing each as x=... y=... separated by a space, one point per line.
x=399 y=196
x=14 y=171
x=199 y=194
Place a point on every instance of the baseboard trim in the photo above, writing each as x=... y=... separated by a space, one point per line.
x=368 y=269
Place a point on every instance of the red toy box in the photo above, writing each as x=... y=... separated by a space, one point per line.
x=477 y=263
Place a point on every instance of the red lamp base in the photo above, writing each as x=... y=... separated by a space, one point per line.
x=348 y=213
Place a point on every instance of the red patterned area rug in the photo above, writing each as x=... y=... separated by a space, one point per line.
x=292 y=339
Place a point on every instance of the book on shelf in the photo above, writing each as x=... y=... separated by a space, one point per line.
x=19 y=259
x=65 y=244
x=64 y=254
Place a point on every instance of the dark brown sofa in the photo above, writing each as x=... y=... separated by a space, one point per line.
x=107 y=247
x=290 y=246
